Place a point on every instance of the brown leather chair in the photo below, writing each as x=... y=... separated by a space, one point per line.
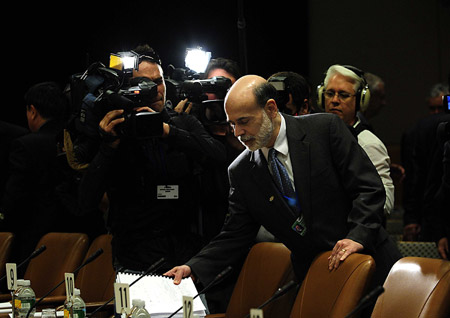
x=335 y=293
x=416 y=287
x=6 y=240
x=266 y=268
x=96 y=280
x=64 y=253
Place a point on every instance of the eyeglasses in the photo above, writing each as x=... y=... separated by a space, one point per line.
x=343 y=96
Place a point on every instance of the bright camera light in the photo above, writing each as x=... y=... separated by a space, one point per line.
x=197 y=59
x=129 y=62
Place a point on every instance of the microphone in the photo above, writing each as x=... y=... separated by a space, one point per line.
x=32 y=255
x=150 y=270
x=366 y=300
x=90 y=258
x=278 y=293
x=215 y=281
x=36 y=253
x=87 y=261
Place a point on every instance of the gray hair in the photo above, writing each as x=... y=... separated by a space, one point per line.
x=339 y=69
x=438 y=90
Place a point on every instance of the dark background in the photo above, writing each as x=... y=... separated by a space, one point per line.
x=51 y=45
x=405 y=42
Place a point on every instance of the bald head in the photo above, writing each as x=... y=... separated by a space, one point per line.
x=252 y=111
x=243 y=90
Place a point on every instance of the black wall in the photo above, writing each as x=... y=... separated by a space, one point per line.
x=45 y=42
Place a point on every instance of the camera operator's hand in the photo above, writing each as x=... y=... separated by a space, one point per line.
x=108 y=123
x=181 y=106
x=166 y=127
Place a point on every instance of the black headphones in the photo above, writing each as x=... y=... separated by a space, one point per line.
x=362 y=94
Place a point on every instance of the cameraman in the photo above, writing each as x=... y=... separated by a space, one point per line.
x=214 y=176
x=151 y=183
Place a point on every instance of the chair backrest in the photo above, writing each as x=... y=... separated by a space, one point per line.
x=334 y=293
x=64 y=253
x=418 y=249
x=6 y=239
x=96 y=280
x=416 y=287
x=267 y=267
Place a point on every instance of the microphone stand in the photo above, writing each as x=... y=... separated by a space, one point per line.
x=280 y=292
x=216 y=280
x=364 y=302
x=32 y=255
x=90 y=259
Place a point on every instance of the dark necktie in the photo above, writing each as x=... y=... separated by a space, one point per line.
x=284 y=184
x=282 y=179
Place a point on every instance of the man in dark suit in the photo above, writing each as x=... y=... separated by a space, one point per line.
x=339 y=197
x=8 y=132
x=29 y=205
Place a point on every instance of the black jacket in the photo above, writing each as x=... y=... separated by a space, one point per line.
x=145 y=227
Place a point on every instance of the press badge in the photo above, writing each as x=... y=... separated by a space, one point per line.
x=299 y=226
x=167 y=192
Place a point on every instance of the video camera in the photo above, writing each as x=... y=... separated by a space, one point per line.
x=101 y=89
x=186 y=84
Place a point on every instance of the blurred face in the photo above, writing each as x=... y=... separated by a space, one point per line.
x=377 y=101
x=154 y=72
x=251 y=125
x=292 y=108
x=435 y=105
x=340 y=98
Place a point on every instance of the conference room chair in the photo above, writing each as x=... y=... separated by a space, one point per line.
x=6 y=240
x=64 y=253
x=418 y=249
x=335 y=293
x=266 y=268
x=96 y=280
x=415 y=287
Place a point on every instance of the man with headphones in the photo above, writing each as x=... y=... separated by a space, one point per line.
x=344 y=92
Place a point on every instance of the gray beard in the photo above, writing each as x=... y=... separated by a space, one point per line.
x=264 y=134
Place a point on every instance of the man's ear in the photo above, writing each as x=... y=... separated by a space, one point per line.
x=271 y=108
x=305 y=108
x=32 y=111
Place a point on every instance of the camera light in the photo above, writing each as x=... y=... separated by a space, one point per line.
x=129 y=62
x=197 y=59
x=126 y=61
